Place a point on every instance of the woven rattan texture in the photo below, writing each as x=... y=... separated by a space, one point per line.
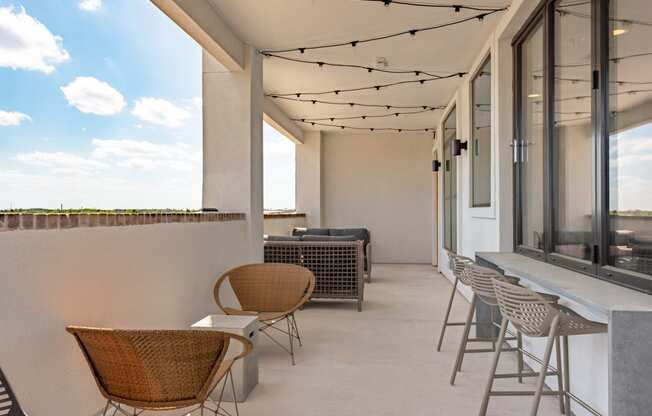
x=156 y=369
x=337 y=266
x=269 y=287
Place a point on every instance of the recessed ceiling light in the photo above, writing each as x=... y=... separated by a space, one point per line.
x=620 y=31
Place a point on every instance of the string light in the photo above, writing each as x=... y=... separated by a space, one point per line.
x=455 y=7
x=353 y=104
x=394 y=129
x=411 y=32
x=364 y=117
x=377 y=87
x=366 y=68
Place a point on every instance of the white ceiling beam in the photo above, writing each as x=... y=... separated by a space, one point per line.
x=277 y=118
x=200 y=20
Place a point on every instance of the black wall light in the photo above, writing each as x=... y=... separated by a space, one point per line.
x=436 y=165
x=458 y=146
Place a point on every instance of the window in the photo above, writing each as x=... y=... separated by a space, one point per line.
x=481 y=140
x=583 y=143
x=450 y=182
x=278 y=171
x=531 y=139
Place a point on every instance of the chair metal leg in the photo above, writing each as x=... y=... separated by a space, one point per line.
x=519 y=345
x=566 y=367
x=296 y=329
x=235 y=397
x=559 y=374
x=546 y=362
x=448 y=311
x=494 y=367
x=287 y=320
x=464 y=341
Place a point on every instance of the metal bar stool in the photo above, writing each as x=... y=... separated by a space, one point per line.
x=482 y=286
x=457 y=265
x=537 y=316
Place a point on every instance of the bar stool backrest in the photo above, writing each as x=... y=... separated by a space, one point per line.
x=460 y=269
x=528 y=311
x=481 y=282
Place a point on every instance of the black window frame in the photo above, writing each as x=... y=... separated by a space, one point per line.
x=487 y=59
x=598 y=266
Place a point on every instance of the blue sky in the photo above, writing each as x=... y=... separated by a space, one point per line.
x=101 y=107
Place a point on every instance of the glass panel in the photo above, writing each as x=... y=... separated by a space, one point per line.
x=450 y=182
x=630 y=136
x=532 y=139
x=573 y=138
x=481 y=144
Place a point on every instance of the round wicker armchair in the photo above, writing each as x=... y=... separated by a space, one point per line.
x=272 y=292
x=158 y=369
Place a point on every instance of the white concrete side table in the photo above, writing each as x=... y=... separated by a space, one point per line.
x=245 y=371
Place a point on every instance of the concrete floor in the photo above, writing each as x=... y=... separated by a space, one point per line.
x=382 y=361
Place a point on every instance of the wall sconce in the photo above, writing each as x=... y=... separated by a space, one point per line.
x=436 y=165
x=458 y=146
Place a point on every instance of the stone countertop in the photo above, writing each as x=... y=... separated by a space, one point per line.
x=597 y=295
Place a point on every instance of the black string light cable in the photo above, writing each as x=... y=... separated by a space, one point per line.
x=394 y=129
x=354 y=104
x=377 y=87
x=455 y=7
x=366 y=116
x=578 y=80
x=369 y=69
x=412 y=32
x=563 y=12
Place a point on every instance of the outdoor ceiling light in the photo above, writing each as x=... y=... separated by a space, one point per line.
x=436 y=165
x=458 y=146
x=533 y=95
x=619 y=31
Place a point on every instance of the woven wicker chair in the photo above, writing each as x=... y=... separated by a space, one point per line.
x=457 y=265
x=272 y=292
x=159 y=369
x=536 y=315
x=9 y=405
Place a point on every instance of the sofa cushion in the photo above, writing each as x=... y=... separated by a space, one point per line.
x=311 y=231
x=282 y=238
x=359 y=233
x=309 y=237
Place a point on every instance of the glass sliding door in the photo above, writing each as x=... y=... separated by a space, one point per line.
x=572 y=134
x=530 y=141
x=450 y=182
x=481 y=137
x=629 y=184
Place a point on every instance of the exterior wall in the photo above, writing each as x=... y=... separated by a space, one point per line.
x=491 y=229
x=148 y=276
x=382 y=182
x=283 y=224
x=308 y=178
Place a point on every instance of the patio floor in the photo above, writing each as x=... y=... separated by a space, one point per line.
x=382 y=361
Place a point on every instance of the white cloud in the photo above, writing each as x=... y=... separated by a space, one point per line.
x=13 y=118
x=90 y=5
x=159 y=111
x=26 y=43
x=144 y=155
x=92 y=96
x=62 y=163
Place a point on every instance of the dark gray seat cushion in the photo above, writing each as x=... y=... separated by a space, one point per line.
x=309 y=237
x=282 y=238
x=359 y=233
x=310 y=231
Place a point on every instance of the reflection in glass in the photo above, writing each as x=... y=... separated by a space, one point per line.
x=630 y=136
x=481 y=137
x=450 y=182
x=531 y=131
x=573 y=142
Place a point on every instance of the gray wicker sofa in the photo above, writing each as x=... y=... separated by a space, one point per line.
x=338 y=266
x=340 y=234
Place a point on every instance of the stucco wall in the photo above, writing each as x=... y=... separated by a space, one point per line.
x=283 y=225
x=382 y=182
x=149 y=276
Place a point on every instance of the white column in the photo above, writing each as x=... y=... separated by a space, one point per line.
x=233 y=142
x=308 y=178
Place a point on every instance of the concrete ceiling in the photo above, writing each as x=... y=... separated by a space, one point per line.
x=280 y=24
